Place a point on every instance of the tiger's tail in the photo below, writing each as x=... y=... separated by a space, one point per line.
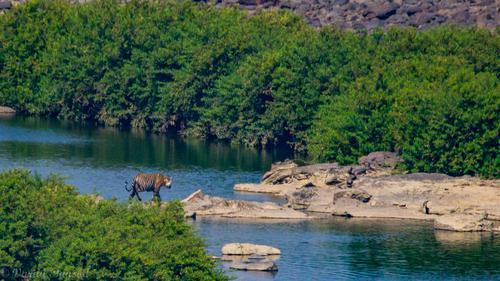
x=127 y=189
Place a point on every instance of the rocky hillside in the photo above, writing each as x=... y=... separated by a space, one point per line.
x=370 y=14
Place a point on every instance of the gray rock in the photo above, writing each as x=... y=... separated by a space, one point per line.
x=356 y=194
x=380 y=159
x=421 y=19
x=411 y=9
x=386 y=10
x=301 y=200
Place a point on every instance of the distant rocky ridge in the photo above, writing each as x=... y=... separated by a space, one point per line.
x=370 y=14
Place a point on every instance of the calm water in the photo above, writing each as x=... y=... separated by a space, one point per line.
x=101 y=159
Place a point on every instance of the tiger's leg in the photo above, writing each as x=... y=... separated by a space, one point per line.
x=156 y=195
x=138 y=197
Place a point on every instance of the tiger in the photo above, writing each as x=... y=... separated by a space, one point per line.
x=148 y=182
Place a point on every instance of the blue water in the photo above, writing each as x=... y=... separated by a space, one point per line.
x=100 y=160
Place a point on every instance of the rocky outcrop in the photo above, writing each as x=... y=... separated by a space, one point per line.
x=291 y=176
x=249 y=249
x=199 y=204
x=372 y=190
x=5 y=110
x=287 y=176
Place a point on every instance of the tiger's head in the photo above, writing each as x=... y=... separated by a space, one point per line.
x=167 y=181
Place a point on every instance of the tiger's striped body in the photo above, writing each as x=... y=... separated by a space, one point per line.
x=150 y=183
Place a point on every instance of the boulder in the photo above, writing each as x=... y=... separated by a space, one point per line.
x=255 y=266
x=381 y=11
x=7 y=110
x=380 y=160
x=275 y=175
x=356 y=194
x=249 y=249
x=289 y=172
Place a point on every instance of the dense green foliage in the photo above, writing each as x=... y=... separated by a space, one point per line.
x=49 y=232
x=432 y=96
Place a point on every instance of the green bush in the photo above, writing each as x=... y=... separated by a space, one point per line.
x=264 y=80
x=49 y=231
x=432 y=96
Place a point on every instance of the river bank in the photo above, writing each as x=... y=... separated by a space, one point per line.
x=372 y=189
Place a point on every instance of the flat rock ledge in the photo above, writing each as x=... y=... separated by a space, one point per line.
x=7 y=110
x=199 y=204
x=280 y=190
x=466 y=223
x=372 y=189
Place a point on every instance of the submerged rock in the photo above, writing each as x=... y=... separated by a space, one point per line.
x=249 y=249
